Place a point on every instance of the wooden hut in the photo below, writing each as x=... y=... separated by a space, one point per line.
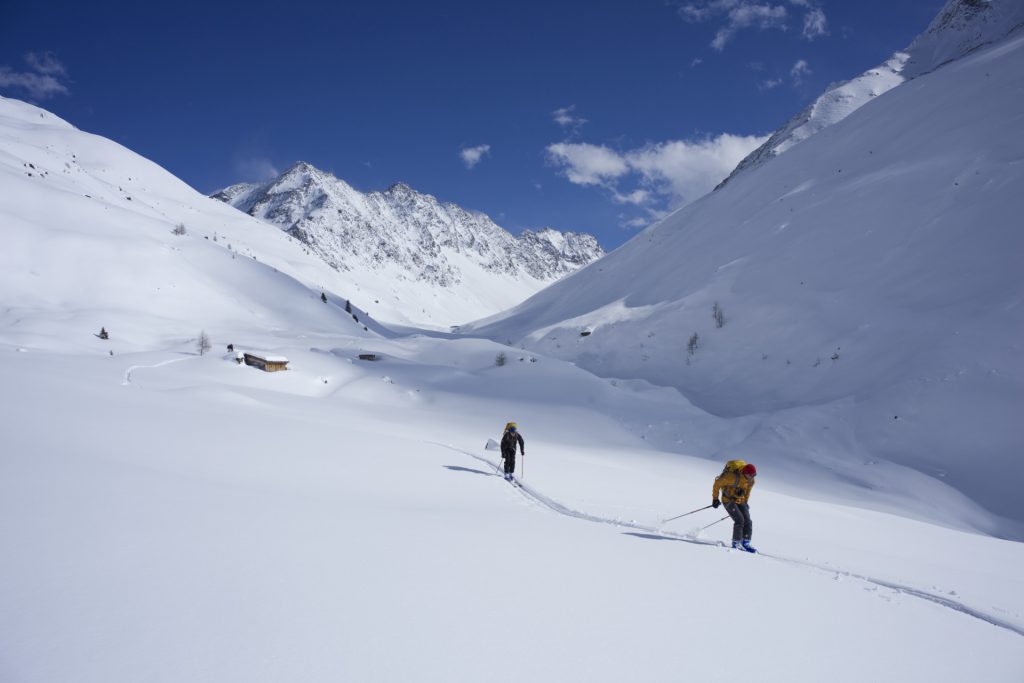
x=266 y=363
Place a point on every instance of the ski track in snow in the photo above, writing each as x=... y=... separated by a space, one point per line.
x=554 y=506
x=128 y=373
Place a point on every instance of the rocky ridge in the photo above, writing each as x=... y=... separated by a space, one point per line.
x=410 y=234
x=960 y=28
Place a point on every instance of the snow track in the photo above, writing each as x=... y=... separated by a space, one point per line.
x=652 y=532
x=128 y=373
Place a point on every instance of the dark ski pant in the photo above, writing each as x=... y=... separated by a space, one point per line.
x=510 y=463
x=742 y=527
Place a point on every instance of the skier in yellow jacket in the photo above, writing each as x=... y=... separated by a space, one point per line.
x=735 y=489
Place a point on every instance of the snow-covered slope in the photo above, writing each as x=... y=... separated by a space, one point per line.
x=89 y=241
x=430 y=263
x=960 y=28
x=170 y=516
x=872 y=291
x=195 y=520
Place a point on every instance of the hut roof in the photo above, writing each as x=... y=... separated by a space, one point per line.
x=268 y=359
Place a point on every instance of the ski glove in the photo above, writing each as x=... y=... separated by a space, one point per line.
x=715 y=503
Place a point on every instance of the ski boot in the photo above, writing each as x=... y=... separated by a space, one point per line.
x=746 y=546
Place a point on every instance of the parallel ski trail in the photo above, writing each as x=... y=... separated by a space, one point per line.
x=553 y=505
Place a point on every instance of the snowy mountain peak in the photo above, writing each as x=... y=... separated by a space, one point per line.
x=401 y=188
x=304 y=175
x=301 y=167
x=960 y=28
x=411 y=250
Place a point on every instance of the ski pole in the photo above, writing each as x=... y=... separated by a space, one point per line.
x=714 y=523
x=686 y=513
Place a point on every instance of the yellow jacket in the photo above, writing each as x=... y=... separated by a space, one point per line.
x=734 y=486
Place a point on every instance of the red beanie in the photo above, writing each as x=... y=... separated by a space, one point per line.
x=749 y=470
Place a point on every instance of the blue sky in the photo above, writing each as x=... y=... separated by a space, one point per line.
x=593 y=116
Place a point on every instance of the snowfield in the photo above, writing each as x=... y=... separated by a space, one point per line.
x=171 y=515
x=208 y=521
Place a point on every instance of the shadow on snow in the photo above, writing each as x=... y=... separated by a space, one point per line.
x=456 y=468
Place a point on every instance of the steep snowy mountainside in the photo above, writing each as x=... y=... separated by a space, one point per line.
x=836 y=103
x=961 y=27
x=443 y=264
x=871 y=287
x=89 y=236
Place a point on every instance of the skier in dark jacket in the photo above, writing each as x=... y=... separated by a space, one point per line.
x=508 y=448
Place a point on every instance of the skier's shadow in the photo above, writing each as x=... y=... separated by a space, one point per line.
x=653 y=537
x=456 y=468
x=660 y=537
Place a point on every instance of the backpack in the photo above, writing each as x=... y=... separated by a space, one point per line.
x=734 y=466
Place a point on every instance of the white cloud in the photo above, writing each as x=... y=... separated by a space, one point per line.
x=697 y=12
x=697 y=61
x=45 y=63
x=43 y=80
x=799 y=70
x=738 y=15
x=634 y=223
x=471 y=156
x=567 y=118
x=255 y=170
x=685 y=170
x=675 y=172
x=815 y=24
x=770 y=84
x=763 y=16
x=638 y=197
x=586 y=164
